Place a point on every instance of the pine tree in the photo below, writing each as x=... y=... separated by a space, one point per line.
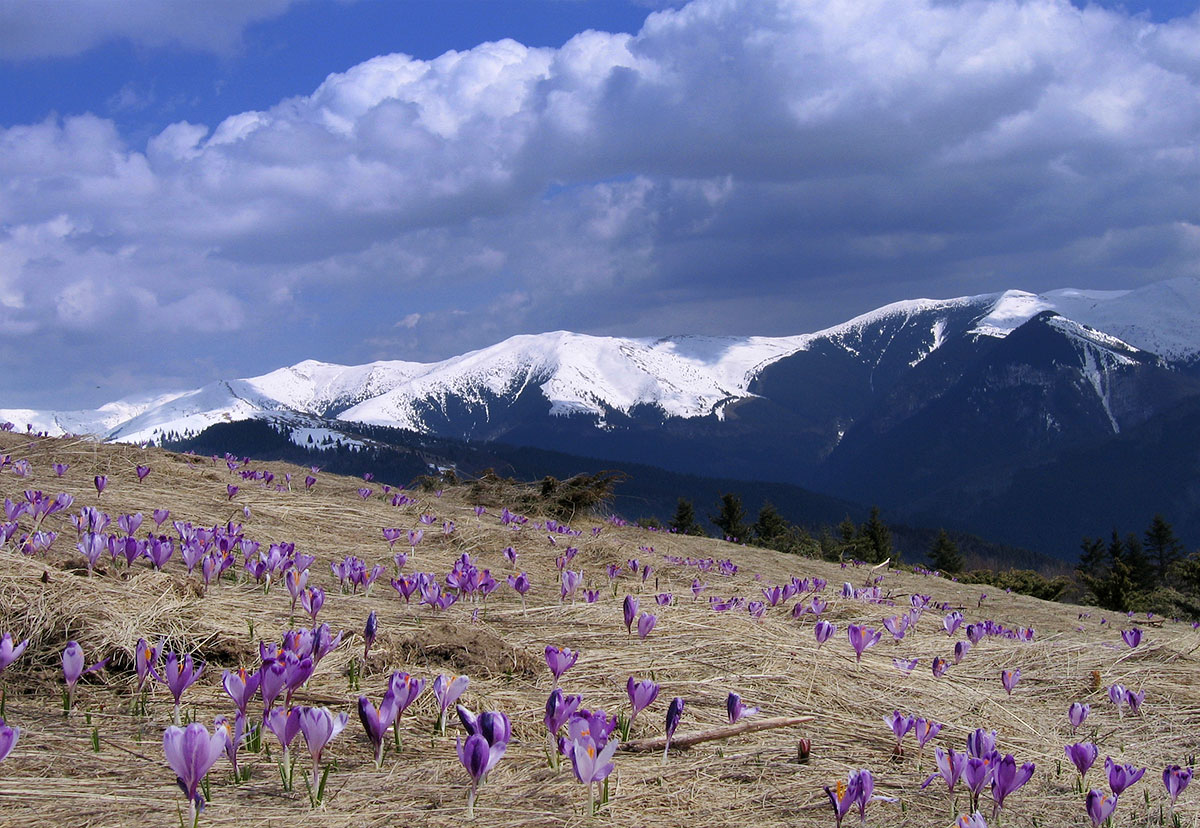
x=1093 y=558
x=684 y=521
x=1106 y=571
x=876 y=537
x=731 y=517
x=1162 y=547
x=943 y=555
x=848 y=544
x=770 y=529
x=1143 y=572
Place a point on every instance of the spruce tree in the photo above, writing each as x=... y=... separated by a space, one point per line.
x=943 y=555
x=876 y=538
x=1162 y=547
x=1093 y=558
x=684 y=521
x=1143 y=572
x=770 y=529
x=731 y=517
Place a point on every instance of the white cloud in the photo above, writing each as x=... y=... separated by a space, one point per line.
x=56 y=28
x=731 y=149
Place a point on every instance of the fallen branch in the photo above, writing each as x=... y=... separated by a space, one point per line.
x=688 y=739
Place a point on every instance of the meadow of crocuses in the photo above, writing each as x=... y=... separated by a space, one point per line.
x=214 y=641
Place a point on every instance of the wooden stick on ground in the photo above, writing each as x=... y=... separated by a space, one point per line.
x=688 y=739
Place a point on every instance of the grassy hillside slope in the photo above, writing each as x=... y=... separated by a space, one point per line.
x=55 y=776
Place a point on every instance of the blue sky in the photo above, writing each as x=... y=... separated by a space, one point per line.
x=234 y=186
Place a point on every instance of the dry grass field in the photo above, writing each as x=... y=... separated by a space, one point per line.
x=56 y=776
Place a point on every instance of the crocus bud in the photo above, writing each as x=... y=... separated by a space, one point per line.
x=803 y=751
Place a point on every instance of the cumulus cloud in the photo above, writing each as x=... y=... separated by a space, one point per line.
x=69 y=27
x=736 y=166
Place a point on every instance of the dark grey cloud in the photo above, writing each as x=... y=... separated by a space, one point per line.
x=738 y=166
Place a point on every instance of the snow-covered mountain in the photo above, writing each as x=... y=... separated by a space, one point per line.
x=939 y=410
x=680 y=377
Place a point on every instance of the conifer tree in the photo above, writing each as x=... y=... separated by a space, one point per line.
x=876 y=537
x=770 y=529
x=1141 y=570
x=684 y=521
x=1162 y=547
x=943 y=555
x=731 y=517
x=849 y=545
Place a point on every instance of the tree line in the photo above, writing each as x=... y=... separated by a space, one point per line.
x=1150 y=572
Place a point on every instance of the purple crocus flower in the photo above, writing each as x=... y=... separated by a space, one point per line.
x=1082 y=756
x=823 y=630
x=961 y=648
x=191 y=752
x=952 y=622
x=897 y=625
x=406 y=690
x=8 y=652
x=1117 y=695
x=1076 y=714
x=73 y=669
x=491 y=725
x=981 y=743
x=844 y=795
x=674 y=714
x=1007 y=779
x=977 y=774
x=645 y=624
x=559 y=709
x=1009 y=679
x=142 y=471
x=1175 y=780
x=160 y=516
x=950 y=767
x=899 y=724
x=559 y=660
x=630 y=610
x=369 y=633
x=447 y=691
x=8 y=739
x=1121 y=777
x=1100 y=806
x=272 y=680
x=234 y=732
x=478 y=758
x=735 y=708
x=861 y=638
x=101 y=480
x=592 y=767
x=60 y=469
x=376 y=721
x=179 y=674
x=641 y=695
x=939 y=666
x=319 y=727
x=1132 y=636
x=311 y=601
x=924 y=730
x=1135 y=699
x=241 y=687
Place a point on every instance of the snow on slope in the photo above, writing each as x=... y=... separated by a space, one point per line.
x=685 y=376
x=1102 y=356
x=1161 y=318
